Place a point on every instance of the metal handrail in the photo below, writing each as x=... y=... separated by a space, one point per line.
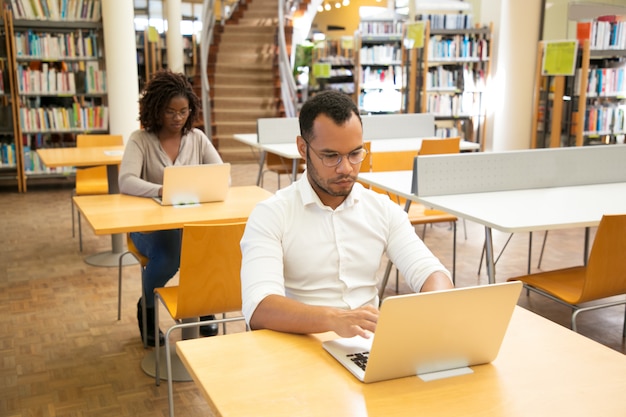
x=288 y=88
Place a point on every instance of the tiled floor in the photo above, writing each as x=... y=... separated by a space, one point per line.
x=63 y=353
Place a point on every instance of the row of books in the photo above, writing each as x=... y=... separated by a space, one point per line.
x=47 y=45
x=608 y=32
x=380 y=28
x=380 y=54
x=64 y=119
x=460 y=105
x=7 y=155
x=456 y=78
x=604 y=82
x=71 y=10
x=458 y=47
x=605 y=120
x=378 y=78
x=51 y=81
x=448 y=21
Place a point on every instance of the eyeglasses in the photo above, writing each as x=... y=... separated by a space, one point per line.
x=172 y=114
x=333 y=159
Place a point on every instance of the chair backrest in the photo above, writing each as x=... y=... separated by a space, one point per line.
x=94 y=180
x=210 y=267
x=84 y=141
x=440 y=146
x=606 y=268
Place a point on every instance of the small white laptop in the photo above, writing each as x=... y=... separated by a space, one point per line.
x=432 y=335
x=194 y=184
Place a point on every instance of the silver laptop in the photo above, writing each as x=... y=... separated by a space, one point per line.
x=194 y=184
x=432 y=335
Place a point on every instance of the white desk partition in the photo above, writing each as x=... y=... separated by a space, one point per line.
x=410 y=125
x=515 y=170
x=277 y=129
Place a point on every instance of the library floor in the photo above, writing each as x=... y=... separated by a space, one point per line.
x=64 y=353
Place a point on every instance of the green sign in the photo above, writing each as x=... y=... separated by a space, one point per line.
x=559 y=58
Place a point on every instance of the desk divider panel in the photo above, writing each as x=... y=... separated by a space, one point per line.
x=277 y=129
x=386 y=126
x=515 y=170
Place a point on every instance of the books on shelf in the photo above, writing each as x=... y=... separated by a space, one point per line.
x=457 y=47
x=63 y=119
x=70 y=10
x=607 y=32
x=451 y=21
x=46 y=45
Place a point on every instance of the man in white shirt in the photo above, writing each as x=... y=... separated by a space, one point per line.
x=311 y=252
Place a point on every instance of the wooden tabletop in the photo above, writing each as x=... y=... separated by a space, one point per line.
x=543 y=369
x=119 y=213
x=85 y=156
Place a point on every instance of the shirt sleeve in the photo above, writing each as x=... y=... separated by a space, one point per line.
x=408 y=252
x=262 y=258
x=131 y=169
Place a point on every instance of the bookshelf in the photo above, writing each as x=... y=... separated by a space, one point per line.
x=588 y=107
x=451 y=75
x=9 y=173
x=379 y=64
x=333 y=67
x=59 y=79
x=152 y=54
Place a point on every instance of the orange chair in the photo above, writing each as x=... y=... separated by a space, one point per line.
x=93 y=180
x=209 y=284
x=604 y=275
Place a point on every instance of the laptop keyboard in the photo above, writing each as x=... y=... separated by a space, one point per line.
x=360 y=359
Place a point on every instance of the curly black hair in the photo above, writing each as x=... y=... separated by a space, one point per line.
x=164 y=86
x=334 y=104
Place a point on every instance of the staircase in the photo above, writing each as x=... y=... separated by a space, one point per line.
x=244 y=77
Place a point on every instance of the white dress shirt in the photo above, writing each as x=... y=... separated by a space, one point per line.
x=295 y=246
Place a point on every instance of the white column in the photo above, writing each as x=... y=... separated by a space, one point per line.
x=174 y=39
x=514 y=53
x=121 y=67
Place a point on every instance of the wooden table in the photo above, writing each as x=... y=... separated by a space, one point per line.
x=111 y=156
x=543 y=369
x=120 y=213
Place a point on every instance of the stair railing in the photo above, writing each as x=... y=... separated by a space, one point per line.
x=206 y=38
x=288 y=88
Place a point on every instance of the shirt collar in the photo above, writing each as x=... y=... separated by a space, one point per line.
x=308 y=195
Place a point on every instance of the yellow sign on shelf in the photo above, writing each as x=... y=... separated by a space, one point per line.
x=415 y=35
x=559 y=57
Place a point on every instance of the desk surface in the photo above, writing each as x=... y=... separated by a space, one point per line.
x=86 y=156
x=517 y=210
x=543 y=369
x=119 y=213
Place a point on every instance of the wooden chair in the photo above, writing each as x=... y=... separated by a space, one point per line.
x=418 y=214
x=93 y=180
x=209 y=284
x=604 y=275
x=280 y=166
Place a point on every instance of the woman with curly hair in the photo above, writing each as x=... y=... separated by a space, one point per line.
x=168 y=109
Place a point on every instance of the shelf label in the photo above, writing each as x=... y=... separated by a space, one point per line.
x=414 y=38
x=559 y=57
x=321 y=70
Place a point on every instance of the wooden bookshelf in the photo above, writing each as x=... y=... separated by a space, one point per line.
x=448 y=77
x=57 y=79
x=588 y=107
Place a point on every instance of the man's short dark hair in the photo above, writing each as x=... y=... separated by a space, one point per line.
x=334 y=104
